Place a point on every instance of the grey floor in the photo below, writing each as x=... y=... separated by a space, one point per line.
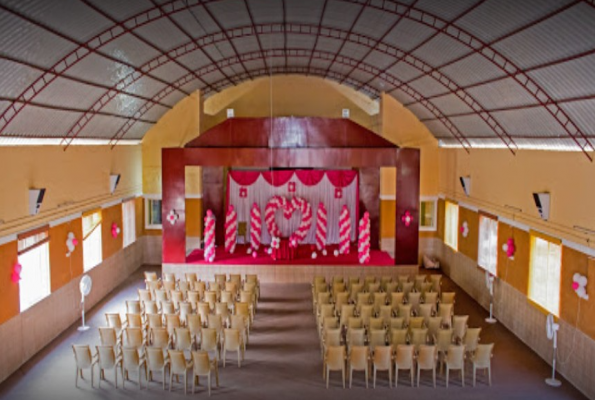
x=283 y=361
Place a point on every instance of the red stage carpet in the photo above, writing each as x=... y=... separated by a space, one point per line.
x=240 y=257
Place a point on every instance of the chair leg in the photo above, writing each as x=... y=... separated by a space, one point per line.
x=171 y=377
x=185 y=382
x=350 y=375
x=209 y=384
x=239 y=359
x=463 y=376
x=367 y=373
x=490 y=375
x=374 y=378
x=474 y=371
x=327 y=374
x=92 y=375
x=447 y=371
x=411 y=375
x=396 y=376
x=417 y=376
x=76 y=378
x=224 y=356
x=434 y=375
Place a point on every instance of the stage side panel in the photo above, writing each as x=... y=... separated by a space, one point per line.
x=174 y=191
x=369 y=200
x=407 y=200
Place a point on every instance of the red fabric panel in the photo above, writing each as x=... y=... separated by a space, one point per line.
x=244 y=178
x=278 y=178
x=310 y=177
x=341 y=178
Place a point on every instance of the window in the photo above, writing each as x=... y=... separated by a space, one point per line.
x=544 y=273
x=34 y=257
x=92 y=252
x=153 y=214
x=488 y=244
x=427 y=215
x=129 y=222
x=451 y=223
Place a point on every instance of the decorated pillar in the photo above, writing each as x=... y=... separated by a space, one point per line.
x=173 y=205
x=407 y=207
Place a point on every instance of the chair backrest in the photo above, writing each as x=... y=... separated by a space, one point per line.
x=252 y=278
x=185 y=310
x=426 y=311
x=332 y=337
x=419 y=336
x=194 y=324
x=398 y=336
x=407 y=287
x=238 y=322
x=386 y=313
x=414 y=300
x=337 y=279
x=232 y=339
x=154 y=320
x=404 y=311
x=134 y=337
x=426 y=357
x=341 y=299
x=172 y=321
x=397 y=322
x=221 y=309
x=236 y=278
x=133 y=307
x=359 y=357
x=108 y=336
x=201 y=362
x=330 y=323
x=377 y=338
x=153 y=285
x=357 y=337
x=404 y=356
x=184 y=286
x=379 y=300
x=447 y=298
x=191 y=277
x=472 y=339
x=208 y=339
x=366 y=312
x=384 y=280
x=203 y=309
x=183 y=339
x=167 y=307
x=445 y=312
x=459 y=326
x=159 y=338
x=106 y=357
x=396 y=298
x=243 y=309
x=193 y=297
x=134 y=320
x=402 y=279
x=220 y=279
x=150 y=307
x=161 y=295
x=356 y=289
x=130 y=358
x=416 y=322
x=391 y=287
x=383 y=357
x=211 y=298
x=347 y=312
x=169 y=277
x=455 y=358
x=215 y=322
x=155 y=358
x=151 y=276
x=227 y=297
x=231 y=287
x=327 y=310
x=433 y=326
x=200 y=287
x=177 y=362
x=483 y=355
x=169 y=285
x=374 y=287
x=376 y=323
x=418 y=280
x=335 y=357
x=431 y=298
x=144 y=295
x=443 y=339
x=114 y=320
x=82 y=355
x=354 y=322
x=362 y=299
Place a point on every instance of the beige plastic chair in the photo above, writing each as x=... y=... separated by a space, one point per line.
x=326 y=310
x=431 y=298
x=151 y=276
x=368 y=280
x=132 y=361
x=402 y=279
x=445 y=312
x=447 y=298
x=168 y=277
x=382 y=360
x=167 y=307
x=356 y=337
x=471 y=340
x=353 y=280
x=404 y=311
x=194 y=325
x=159 y=338
x=133 y=307
x=184 y=286
x=392 y=287
x=404 y=359
x=385 y=280
x=362 y=299
x=152 y=286
x=416 y=323
x=414 y=300
x=233 y=342
x=397 y=323
x=374 y=288
x=407 y=288
x=114 y=320
x=84 y=360
x=356 y=289
x=193 y=298
x=419 y=337
x=161 y=295
x=183 y=339
x=215 y=322
x=144 y=295
x=203 y=309
x=426 y=311
x=108 y=360
x=228 y=298
x=459 y=326
x=379 y=301
x=239 y=322
x=185 y=310
x=334 y=360
x=190 y=277
x=236 y=278
x=418 y=280
x=355 y=323
x=433 y=325
x=135 y=338
x=359 y=360
x=253 y=279
x=443 y=342
x=425 y=288
x=376 y=323
x=156 y=362
x=322 y=298
x=396 y=298
x=366 y=312
x=331 y=336
x=210 y=342
x=455 y=359
x=222 y=310
x=200 y=287
x=169 y=286
x=341 y=299
x=154 y=320
x=172 y=321
x=211 y=298
x=426 y=361
x=436 y=280
x=243 y=309
x=377 y=338
x=347 y=312
x=385 y=313
x=135 y=321
x=204 y=366
x=178 y=366
x=482 y=359
x=108 y=337
x=150 y=307
x=337 y=279
x=398 y=336
x=176 y=297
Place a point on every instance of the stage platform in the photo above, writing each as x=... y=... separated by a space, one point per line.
x=301 y=269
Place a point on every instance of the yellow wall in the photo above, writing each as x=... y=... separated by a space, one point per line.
x=62 y=268
x=76 y=180
x=9 y=291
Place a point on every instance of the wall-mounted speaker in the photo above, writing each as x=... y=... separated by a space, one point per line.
x=466 y=184
x=35 y=200
x=114 y=179
x=230 y=113
x=346 y=113
x=542 y=202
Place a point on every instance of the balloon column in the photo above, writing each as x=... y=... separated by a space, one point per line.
x=364 y=239
x=321 y=231
x=231 y=229
x=299 y=203
x=344 y=231
x=579 y=285
x=255 y=229
x=209 y=252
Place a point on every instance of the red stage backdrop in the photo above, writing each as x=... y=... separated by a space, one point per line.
x=334 y=188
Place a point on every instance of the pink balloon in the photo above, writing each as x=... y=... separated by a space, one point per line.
x=575 y=285
x=75 y=242
x=18 y=268
x=254 y=255
x=15 y=277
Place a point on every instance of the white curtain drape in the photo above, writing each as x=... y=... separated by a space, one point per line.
x=261 y=192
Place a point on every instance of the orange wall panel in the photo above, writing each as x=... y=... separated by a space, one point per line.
x=194 y=217
x=139 y=216
x=62 y=268
x=387 y=218
x=574 y=261
x=9 y=291
x=440 y=216
x=468 y=245
x=516 y=271
x=110 y=244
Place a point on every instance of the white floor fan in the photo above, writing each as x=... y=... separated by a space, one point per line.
x=490 y=286
x=552 y=334
x=85 y=288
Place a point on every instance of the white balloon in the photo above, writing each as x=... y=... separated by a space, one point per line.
x=582 y=280
x=581 y=292
x=336 y=253
x=505 y=247
x=314 y=255
x=324 y=252
x=270 y=250
x=249 y=250
x=575 y=277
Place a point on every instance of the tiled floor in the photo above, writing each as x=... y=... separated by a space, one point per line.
x=283 y=361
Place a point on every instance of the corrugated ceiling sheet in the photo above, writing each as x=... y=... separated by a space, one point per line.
x=340 y=14
x=447 y=10
x=303 y=11
x=145 y=86
x=15 y=78
x=401 y=96
x=438 y=129
x=155 y=113
x=563 y=35
x=230 y=13
x=408 y=34
x=451 y=104
x=137 y=131
x=379 y=60
x=567 y=80
x=169 y=71
x=101 y=127
x=123 y=9
x=529 y=122
x=196 y=21
x=194 y=60
x=98 y=69
x=123 y=105
x=375 y=23
x=472 y=69
x=300 y=41
x=503 y=93
x=472 y=126
x=42 y=122
x=404 y=71
x=163 y=34
x=440 y=50
x=420 y=111
x=67 y=93
x=428 y=86
x=354 y=51
x=583 y=114
x=130 y=50
x=266 y=11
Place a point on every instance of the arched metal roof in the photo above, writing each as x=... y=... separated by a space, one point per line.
x=478 y=73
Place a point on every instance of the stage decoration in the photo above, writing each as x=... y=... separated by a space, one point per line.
x=291 y=187
x=344 y=231
x=231 y=229
x=15 y=276
x=509 y=248
x=321 y=223
x=299 y=203
x=71 y=243
x=315 y=186
x=363 y=247
x=115 y=230
x=579 y=285
x=406 y=218
x=275 y=203
x=172 y=217
x=209 y=252
x=243 y=192
x=465 y=229
x=255 y=228
x=338 y=193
